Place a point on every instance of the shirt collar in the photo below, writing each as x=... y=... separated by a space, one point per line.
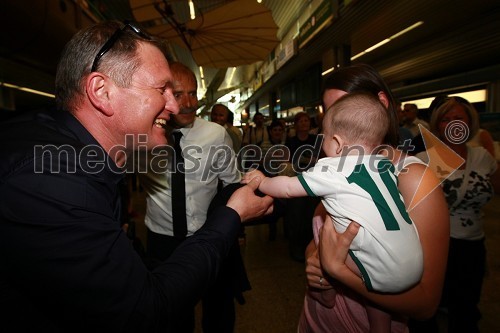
x=79 y=132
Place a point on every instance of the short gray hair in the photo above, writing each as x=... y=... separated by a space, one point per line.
x=120 y=62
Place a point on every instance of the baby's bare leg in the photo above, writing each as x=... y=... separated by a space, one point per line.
x=380 y=321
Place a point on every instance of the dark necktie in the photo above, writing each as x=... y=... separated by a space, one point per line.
x=179 y=190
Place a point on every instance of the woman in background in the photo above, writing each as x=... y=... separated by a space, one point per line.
x=467 y=190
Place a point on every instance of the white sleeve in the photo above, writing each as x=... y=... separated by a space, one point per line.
x=486 y=160
x=226 y=160
x=320 y=180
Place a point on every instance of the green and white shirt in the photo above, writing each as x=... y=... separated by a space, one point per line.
x=364 y=189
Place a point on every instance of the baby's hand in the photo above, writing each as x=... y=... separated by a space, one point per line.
x=253 y=173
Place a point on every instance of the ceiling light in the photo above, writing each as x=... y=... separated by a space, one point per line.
x=475 y=96
x=387 y=40
x=329 y=70
x=32 y=91
x=192 y=14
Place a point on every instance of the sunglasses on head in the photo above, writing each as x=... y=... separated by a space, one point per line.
x=112 y=40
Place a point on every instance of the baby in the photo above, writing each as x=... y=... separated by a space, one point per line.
x=357 y=186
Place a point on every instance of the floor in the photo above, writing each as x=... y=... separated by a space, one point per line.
x=278 y=282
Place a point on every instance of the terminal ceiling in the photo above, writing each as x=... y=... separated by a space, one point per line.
x=457 y=36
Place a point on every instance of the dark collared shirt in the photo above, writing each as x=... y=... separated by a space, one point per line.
x=65 y=263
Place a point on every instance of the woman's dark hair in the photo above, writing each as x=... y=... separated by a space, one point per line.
x=364 y=78
x=275 y=123
x=256 y=115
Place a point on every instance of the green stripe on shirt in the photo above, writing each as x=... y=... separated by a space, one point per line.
x=306 y=187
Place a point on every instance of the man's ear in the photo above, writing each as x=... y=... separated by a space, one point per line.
x=339 y=141
x=98 y=87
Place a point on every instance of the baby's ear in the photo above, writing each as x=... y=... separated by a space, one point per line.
x=339 y=141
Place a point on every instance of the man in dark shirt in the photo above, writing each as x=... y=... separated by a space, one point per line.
x=66 y=265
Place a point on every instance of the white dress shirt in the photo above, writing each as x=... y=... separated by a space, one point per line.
x=206 y=162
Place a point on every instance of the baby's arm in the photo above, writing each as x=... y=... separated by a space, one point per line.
x=277 y=187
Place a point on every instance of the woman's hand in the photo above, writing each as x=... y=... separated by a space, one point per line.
x=334 y=247
x=316 y=278
x=314 y=274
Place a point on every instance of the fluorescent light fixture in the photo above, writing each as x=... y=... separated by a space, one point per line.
x=387 y=40
x=192 y=14
x=29 y=90
x=329 y=70
x=379 y=44
x=475 y=96
x=419 y=23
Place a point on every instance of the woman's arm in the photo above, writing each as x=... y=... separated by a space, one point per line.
x=431 y=217
x=495 y=179
x=486 y=140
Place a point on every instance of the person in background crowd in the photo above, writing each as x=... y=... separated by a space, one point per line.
x=417 y=143
x=275 y=161
x=319 y=124
x=304 y=151
x=275 y=137
x=237 y=130
x=430 y=216
x=405 y=134
x=467 y=190
x=286 y=133
x=304 y=159
x=221 y=115
x=258 y=134
x=482 y=138
x=198 y=139
x=253 y=138
x=411 y=120
x=66 y=263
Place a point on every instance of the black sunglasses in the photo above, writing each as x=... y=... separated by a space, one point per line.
x=112 y=40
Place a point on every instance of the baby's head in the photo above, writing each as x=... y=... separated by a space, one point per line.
x=356 y=119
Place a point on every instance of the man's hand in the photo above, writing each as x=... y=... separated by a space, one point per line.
x=250 y=175
x=247 y=204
